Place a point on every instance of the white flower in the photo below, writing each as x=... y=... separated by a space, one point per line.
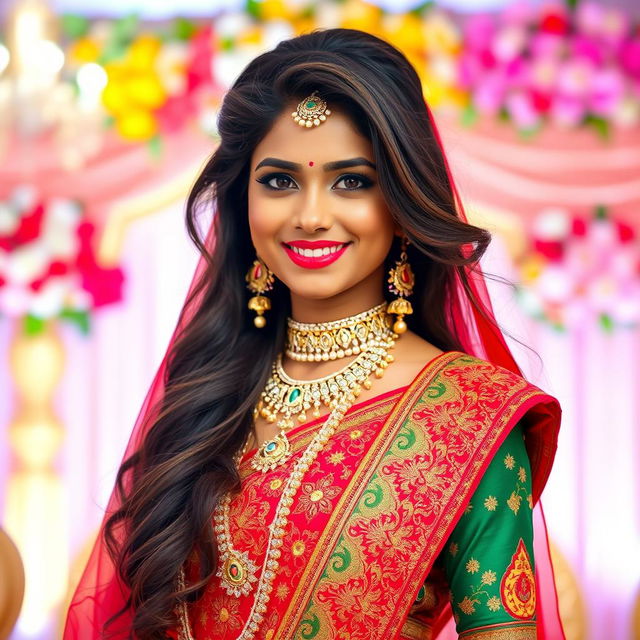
x=28 y=262
x=48 y=302
x=552 y=223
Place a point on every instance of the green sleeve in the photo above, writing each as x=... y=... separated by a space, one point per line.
x=488 y=558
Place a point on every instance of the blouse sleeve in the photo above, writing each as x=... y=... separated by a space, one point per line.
x=488 y=559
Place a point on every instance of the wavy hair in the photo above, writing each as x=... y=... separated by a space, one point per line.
x=220 y=362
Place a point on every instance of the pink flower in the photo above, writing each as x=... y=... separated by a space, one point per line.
x=607 y=91
x=549 y=45
x=630 y=57
x=567 y=111
x=479 y=32
x=575 y=77
x=489 y=94
x=581 y=46
x=509 y=43
x=522 y=111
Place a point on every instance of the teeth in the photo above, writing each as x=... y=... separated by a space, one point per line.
x=316 y=253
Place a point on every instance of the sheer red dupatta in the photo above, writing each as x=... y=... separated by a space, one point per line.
x=100 y=593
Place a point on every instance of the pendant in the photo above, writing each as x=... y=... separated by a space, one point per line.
x=272 y=453
x=237 y=572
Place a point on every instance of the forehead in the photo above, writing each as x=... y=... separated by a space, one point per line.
x=335 y=139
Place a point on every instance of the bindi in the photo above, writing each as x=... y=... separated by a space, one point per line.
x=311 y=163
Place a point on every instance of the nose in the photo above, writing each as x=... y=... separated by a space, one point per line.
x=313 y=210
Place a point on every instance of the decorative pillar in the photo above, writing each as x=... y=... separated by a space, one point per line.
x=35 y=507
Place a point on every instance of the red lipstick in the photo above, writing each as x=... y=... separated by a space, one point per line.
x=314 y=261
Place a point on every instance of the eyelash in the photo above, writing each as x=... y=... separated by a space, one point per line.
x=366 y=182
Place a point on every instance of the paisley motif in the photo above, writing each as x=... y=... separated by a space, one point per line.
x=518 y=587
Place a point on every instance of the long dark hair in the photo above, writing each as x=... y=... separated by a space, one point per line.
x=220 y=362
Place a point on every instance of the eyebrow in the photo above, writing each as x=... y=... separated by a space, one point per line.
x=328 y=166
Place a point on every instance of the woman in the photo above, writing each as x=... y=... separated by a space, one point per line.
x=355 y=454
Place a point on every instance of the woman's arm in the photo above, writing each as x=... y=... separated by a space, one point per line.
x=488 y=558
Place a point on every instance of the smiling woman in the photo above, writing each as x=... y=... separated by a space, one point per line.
x=323 y=469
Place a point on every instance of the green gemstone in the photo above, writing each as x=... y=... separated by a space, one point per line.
x=293 y=396
x=311 y=104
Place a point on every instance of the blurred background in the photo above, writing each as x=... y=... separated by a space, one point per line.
x=107 y=113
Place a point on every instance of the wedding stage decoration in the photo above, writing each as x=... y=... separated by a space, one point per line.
x=581 y=270
x=104 y=125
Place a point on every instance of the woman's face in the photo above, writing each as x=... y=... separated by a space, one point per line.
x=299 y=204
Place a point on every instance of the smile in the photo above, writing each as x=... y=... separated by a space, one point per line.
x=314 y=255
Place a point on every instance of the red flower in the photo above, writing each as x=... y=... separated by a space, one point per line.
x=29 y=229
x=625 y=232
x=554 y=20
x=551 y=249
x=578 y=227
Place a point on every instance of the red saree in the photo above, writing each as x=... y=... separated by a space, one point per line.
x=377 y=506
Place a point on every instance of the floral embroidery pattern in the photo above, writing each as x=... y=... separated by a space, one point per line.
x=490 y=503
x=317 y=497
x=468 y=604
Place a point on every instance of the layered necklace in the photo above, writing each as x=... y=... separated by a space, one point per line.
x=367 y=335
x=285 y=400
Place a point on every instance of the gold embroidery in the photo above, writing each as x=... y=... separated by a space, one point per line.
x=509 y=461
x=466 y=605
x=518 y=585
x=472 y=566
x=489 y=577
x=493 y=603
x=275 y=483
x=453 y=549
x=522 y=474
x=356 y=433
x=517 y=392
x=514 y=502
x=282 y=591
x=530 y=501
x=269 y=634
x=336 y=458
x=468 y=508
x=490 y=503
x=316 y=495
x=527 y=632
x=298 y=548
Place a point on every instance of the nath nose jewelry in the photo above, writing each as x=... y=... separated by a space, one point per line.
x=312 y=111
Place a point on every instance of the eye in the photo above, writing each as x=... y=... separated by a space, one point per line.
x=267 y=178
x=355 y=177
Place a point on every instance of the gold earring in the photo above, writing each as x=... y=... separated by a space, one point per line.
x=401 y=281
x=259 y=279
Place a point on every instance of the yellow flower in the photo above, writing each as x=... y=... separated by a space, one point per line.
x=493 y=603
x=472 y=566
x=509 y=461
x=143 y=51
x=522 y=474
x=491 y=503
x=453 y=549
x=488 y=577
x=514 y=502
x=84 y=50
x=137 y=125
x=466 y=606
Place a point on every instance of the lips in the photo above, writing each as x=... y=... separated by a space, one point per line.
x=314 y=255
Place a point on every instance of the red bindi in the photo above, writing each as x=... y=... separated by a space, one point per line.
x=311 y=163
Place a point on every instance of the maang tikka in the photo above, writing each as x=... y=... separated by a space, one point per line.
x=401 y=281
x=259 y=279
x=312 y=111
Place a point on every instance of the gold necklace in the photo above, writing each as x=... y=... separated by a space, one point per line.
x=286 y=397
x=323 y=341
x=237 y=575
x=236 y=570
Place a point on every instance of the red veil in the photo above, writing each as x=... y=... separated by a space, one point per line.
x=100 y=593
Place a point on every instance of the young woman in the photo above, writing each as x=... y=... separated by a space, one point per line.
x=338 y=443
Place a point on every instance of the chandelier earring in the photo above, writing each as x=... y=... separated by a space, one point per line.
x=259 y=279
x=401 y=282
